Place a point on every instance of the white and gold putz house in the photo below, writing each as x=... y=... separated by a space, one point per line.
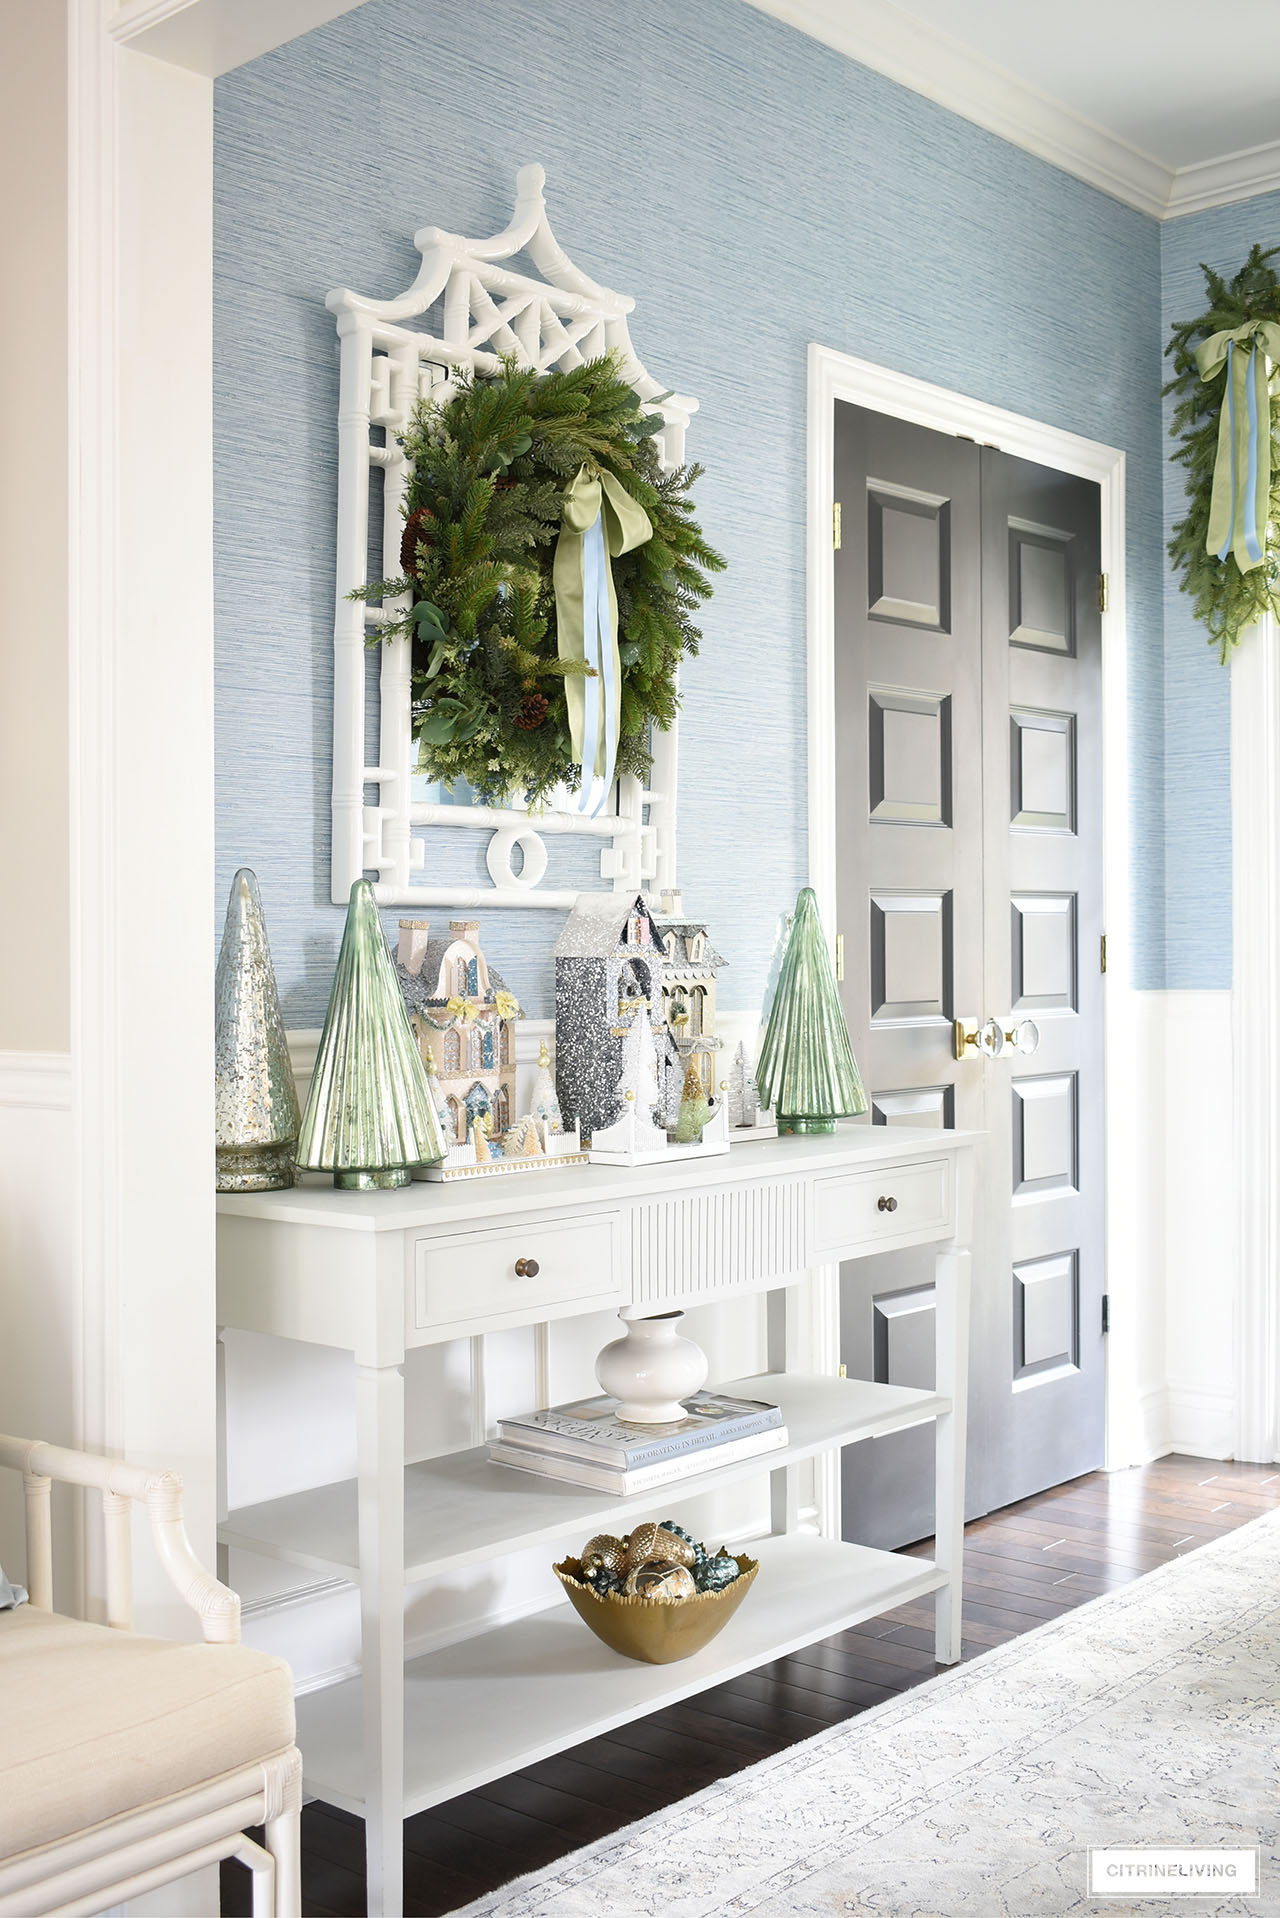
x=464 y=1019
x=689 y=963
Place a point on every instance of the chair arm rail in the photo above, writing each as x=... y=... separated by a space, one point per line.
x=217 y=1607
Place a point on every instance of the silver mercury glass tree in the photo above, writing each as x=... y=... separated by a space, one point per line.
x=370 y=1117
x=255 y=1099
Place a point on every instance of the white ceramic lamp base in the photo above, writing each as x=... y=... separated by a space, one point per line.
x=652 y=1370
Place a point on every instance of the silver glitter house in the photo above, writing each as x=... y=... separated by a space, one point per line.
x=609 y=971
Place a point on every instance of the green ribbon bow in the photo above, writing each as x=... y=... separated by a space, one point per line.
x=1240 y=501
x=600 y=521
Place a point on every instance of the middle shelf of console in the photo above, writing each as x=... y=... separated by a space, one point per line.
x=462 y=1509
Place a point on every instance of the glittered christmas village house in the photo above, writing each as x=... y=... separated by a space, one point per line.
x=688 y=973
x=620 y=972
x=608 y=970
x=463 y=1019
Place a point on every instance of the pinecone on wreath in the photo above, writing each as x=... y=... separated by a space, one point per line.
x=533 y=710
x=415 y=531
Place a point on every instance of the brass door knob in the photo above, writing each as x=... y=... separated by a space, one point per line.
x=887 y=1204
x=526 y=1268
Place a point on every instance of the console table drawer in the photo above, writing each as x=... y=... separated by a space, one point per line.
x=473 y=1276
x=863 y=1208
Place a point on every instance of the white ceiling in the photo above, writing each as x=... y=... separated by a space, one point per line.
x=1171 y=105
x=1181 y=81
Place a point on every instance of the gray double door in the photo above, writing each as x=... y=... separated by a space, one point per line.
x=969 y=836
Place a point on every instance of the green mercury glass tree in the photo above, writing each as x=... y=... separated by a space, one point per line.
x=807 y=1070
x=370 y=1117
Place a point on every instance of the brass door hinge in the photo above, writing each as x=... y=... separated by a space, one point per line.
x=835 y=526
x=1102 y=953
x=839 y=955
x=1103 y=585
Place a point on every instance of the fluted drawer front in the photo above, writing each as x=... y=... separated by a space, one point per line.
x=546 y=1264
x=713 y=1241
x=865 y=1209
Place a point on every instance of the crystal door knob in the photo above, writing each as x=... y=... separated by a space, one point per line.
x=967 y=1034
x=1024 y=1037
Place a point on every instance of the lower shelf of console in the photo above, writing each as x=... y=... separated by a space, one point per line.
x=477 y=1710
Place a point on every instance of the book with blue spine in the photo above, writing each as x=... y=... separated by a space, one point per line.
x=590 y=1430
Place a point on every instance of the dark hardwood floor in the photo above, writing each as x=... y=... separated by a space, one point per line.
x=1023 y=1565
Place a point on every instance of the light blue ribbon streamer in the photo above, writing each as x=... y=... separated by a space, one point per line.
x=600 y=717
x=1252 y=541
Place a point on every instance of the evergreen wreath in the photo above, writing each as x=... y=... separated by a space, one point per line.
x=1226 y=600
x=488 y=470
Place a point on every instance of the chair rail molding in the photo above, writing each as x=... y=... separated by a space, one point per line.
x=36 y=1079
x=839 y=376
x=1255 y=859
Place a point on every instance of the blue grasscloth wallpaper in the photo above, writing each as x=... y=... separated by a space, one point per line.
x=1197 y=747
x=755 y=191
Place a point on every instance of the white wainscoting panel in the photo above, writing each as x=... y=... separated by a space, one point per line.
x=1185 y=1288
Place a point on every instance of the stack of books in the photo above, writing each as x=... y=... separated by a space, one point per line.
x=587 y=1444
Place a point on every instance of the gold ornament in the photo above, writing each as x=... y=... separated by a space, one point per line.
x=604 y=1550
x=661 y=1578
x=655 y=1541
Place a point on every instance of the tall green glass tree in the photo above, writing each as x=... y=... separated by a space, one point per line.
x=807 y=1070
x=370 y=1117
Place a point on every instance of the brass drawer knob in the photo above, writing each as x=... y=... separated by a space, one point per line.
x=882 y=1205
x=526 y=1268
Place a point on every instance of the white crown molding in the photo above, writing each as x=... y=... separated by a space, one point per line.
x=1236 y=176
x=36 y=1079
x=213 y=36
x=880 y=35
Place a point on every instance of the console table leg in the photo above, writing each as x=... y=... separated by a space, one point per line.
x=784 y=1490
x=952 y=1294
x=380 y=1481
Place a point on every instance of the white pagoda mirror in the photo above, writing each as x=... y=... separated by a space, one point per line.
x=465 y=309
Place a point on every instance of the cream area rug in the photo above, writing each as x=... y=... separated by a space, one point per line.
x=1150 y=1716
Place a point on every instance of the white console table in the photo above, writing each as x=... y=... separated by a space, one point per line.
x=379 y=1273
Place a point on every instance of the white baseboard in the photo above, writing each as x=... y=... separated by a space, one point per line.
x=1152 y=1426
x=40 y=1079
x=1201 y=1424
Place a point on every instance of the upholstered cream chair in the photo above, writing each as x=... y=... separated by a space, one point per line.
x=128 y=1762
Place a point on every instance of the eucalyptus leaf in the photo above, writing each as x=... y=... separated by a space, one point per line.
x=437 y=728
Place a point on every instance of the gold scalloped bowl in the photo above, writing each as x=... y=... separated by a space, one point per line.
x=657 y=1631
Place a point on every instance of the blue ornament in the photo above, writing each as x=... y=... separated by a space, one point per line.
x=717 y=1572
